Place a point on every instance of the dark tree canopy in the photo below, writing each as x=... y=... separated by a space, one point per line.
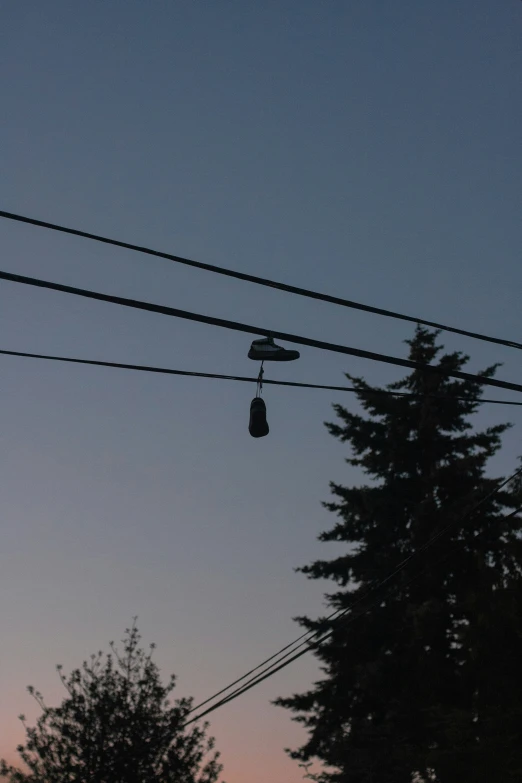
x=426 y=685
x=116 y=725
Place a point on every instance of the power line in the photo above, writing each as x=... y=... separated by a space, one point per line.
x=295 y=653
x=257 y=330
x=257 y=280
x=341 y=613
x=246 y=379
x=271 y=670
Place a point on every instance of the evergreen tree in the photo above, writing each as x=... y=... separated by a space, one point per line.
x=425 y=685
x=116 y=725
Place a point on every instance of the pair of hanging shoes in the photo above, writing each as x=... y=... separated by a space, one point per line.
x=265 y=350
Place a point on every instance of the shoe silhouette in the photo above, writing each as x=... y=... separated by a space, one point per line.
x=265 y=350
x=258 y=425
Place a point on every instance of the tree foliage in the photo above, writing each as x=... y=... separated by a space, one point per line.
x=116 y=725
x=425 y=685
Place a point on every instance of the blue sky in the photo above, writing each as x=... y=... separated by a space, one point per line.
x=367 y=149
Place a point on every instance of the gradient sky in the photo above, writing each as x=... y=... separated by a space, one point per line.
x=365 y=148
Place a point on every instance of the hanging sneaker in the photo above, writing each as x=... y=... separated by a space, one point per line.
x=266 y=350
x=258 y=425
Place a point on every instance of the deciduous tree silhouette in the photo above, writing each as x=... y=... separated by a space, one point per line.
x=116 y=725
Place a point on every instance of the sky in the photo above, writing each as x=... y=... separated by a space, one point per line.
x=366 y=149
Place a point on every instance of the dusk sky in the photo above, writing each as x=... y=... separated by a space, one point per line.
x=365 y=148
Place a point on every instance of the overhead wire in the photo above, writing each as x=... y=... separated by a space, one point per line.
x=247 y=379
x=257 y=330
x=284 y=660
x=257 y=280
